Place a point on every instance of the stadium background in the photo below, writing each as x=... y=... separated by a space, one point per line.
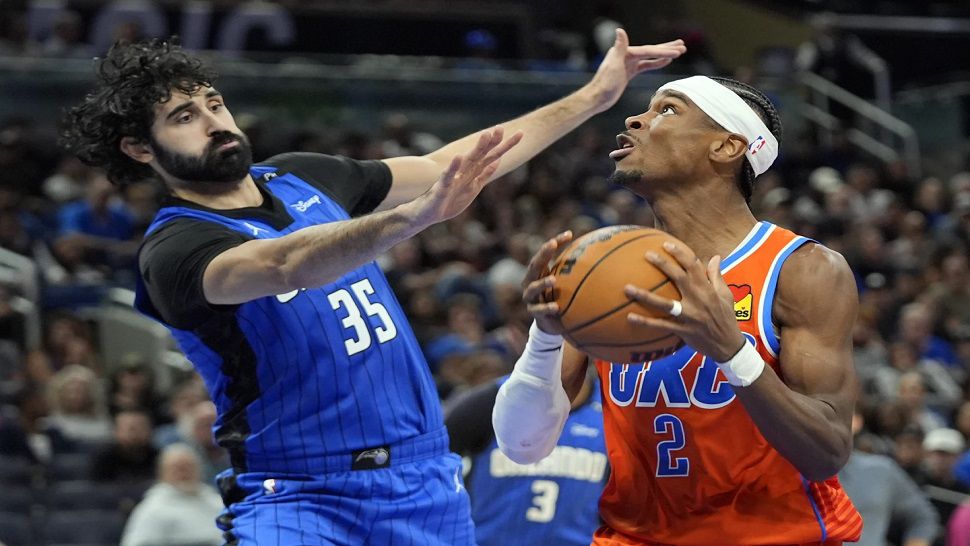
x=875 y=163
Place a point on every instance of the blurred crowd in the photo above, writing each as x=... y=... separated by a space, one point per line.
x=73 y=418
x=77 y=430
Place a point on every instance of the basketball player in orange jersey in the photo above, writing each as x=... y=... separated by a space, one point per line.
x=736 y=438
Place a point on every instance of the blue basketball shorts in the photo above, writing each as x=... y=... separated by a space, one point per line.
x=422 y=501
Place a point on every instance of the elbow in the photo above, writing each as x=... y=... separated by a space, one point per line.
x=830 y=463
x=288 y=272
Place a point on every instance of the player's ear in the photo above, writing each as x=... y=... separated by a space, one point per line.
x=136 y=149
x=727 y=149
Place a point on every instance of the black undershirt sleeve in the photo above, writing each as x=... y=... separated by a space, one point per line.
x=358 y=185
x=469 y=421
x=172 y=261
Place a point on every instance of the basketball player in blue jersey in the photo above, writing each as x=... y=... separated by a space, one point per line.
x=265 y=275
x=553 y=501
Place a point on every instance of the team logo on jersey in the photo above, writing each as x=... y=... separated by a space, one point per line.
x=370 y=459
x=302 y=206
x=743 y=299
x=269 y=486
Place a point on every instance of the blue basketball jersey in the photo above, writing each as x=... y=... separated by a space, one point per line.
x=554 y=501
x=308 y=377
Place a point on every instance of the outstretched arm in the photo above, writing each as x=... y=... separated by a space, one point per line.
x=542 y=127
x=317 y=255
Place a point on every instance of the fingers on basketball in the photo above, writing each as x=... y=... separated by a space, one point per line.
x=591 y=274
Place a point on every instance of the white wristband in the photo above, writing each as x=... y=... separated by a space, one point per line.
x=541 y=357
x=744 y=367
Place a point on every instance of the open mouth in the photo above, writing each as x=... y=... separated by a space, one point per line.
x=624 y=147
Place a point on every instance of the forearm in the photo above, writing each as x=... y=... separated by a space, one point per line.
x=540 y=128
x=318 y=255
x=806 y=431
x=307 y=258
x=531 y=407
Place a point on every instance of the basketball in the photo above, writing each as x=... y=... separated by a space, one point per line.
x=590 y=275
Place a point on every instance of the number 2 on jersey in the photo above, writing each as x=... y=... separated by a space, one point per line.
x=355 y=320
x=669 y=466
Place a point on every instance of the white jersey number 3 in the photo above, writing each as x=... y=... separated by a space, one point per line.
x=543 y=507
x=360 y=300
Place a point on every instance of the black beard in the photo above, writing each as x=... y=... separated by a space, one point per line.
x=625 y=178
x=213 y=170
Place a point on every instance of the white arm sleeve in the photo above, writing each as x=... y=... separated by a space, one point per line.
x=532 y=406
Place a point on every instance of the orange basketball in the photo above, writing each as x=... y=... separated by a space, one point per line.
x=590 y=275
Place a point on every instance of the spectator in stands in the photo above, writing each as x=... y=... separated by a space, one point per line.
x=24 y=432
x=943 y=448
x=942 y=391
x=911 y=393
x=131 y=456
x=951 y=294
x=196 y=431
x=66 y=183
x=132 y=387
x=67 y=38
x=179 y=509
x=96 y=232
x=908 y=452
x=916 y=328
x=401 y=138
x=886 y=497
x=68 y=340
x=184 y=397
x=77 y=407
x=930 y=199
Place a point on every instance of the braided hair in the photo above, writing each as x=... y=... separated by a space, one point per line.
x=768 y=114
x=132 y=79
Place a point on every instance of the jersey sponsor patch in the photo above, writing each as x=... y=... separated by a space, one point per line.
x=743 y=299
x=303 y=204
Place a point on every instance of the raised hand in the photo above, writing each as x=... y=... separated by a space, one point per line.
x=538 y=281
x=465 y=177
x=706 y=321
x=623 y=61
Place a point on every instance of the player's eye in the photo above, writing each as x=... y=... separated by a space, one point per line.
x=216 y=106
x=184 y=118
x=667 y=109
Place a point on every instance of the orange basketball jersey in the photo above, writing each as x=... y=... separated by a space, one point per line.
x=689 y=466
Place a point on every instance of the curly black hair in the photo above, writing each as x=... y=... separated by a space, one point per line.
x=132 y=79
x=766 y=110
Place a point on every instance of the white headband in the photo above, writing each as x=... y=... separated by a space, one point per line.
x=731 y=112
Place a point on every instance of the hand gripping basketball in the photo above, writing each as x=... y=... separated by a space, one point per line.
x=584 y=298
x=538 y=281
x=706 y=320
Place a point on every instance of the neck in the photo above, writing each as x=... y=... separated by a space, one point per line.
x=243 y=194
x=711 y=219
